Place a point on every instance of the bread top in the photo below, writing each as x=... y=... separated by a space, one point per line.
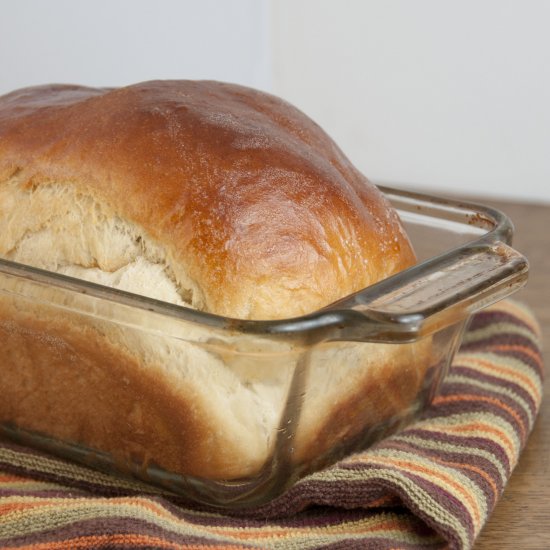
x=255 y=207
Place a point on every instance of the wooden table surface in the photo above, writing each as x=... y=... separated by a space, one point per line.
x=521 y=519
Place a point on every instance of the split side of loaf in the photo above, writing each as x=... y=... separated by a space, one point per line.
x=202 y=194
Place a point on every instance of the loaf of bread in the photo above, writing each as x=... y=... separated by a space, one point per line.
x=205 y=195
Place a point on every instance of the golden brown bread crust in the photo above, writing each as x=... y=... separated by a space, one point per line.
x=248 y=199
x=248 y=196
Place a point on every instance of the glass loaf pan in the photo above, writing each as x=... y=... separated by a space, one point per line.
x=232 y=412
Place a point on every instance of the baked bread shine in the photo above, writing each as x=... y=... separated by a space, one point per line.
x=238 y=199
x=204 y=194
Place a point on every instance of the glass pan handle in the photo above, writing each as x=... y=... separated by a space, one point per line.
x=443 y=290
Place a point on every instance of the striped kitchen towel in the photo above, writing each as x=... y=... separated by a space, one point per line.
x=433 y=485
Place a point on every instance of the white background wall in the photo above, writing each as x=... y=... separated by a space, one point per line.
x=441 y=94
x=435 y=94
x=117 y=42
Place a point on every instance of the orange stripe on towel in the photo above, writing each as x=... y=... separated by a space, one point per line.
x=480 y=398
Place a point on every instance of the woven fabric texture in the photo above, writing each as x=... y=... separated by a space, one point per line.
x=433 y=485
